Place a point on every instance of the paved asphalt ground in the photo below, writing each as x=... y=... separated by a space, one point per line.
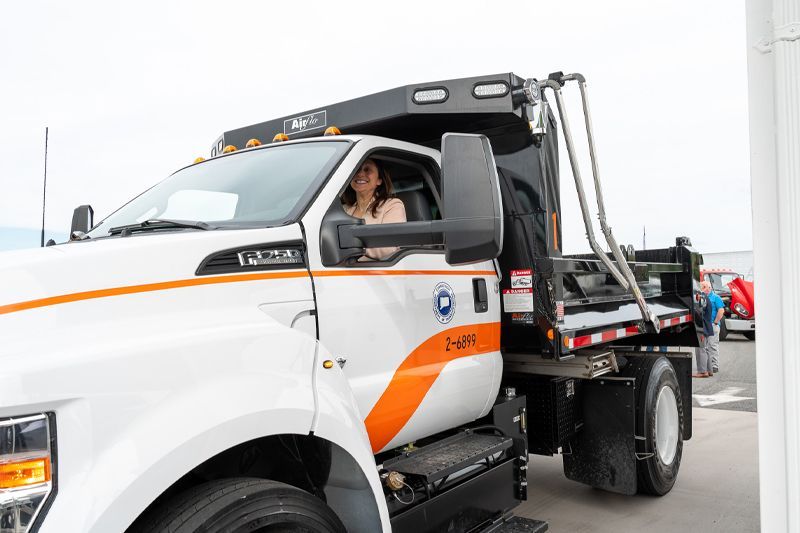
x=717 y=488
x=734 y=387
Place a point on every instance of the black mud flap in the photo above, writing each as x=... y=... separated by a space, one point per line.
x=603 y=452
x=683 y=370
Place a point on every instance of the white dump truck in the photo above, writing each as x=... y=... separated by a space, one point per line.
x=223 y=353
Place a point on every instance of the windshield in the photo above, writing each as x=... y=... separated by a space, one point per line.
x=719 y=282
x=265 y=187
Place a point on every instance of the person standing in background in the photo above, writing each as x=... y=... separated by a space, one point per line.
x=701 y=353
x=708 y=352
x=714 y=313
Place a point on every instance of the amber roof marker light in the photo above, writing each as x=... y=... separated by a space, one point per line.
x=280 y=137
x=332 y=130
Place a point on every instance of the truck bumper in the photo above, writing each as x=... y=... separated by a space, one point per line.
x=737 y=325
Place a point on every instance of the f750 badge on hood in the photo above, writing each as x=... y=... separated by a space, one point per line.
x=269 y=257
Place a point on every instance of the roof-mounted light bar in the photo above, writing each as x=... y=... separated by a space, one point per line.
x=430 y=95
x=492 y=89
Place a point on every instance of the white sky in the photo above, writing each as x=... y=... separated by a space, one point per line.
x=133 y=91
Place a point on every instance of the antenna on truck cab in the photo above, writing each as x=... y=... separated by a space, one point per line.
x=621 y=271
x=44 y=188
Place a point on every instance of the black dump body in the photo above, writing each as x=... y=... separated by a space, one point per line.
x=574 y=296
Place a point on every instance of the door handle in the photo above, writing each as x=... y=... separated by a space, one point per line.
x=480 y=295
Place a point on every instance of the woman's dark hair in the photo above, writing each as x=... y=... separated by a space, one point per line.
x=384 y=191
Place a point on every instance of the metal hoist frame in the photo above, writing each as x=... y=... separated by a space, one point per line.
x=534 y=91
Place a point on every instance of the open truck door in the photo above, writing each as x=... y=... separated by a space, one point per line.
x=417 y=333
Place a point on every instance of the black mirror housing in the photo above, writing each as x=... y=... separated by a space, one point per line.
x=82 y=219
x=471 y=199
x=332 y=251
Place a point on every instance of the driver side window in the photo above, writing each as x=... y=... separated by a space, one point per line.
x=392 y=187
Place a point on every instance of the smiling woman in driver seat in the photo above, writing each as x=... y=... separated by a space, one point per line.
x=371 y=196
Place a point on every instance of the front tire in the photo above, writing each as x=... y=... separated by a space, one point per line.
x=243 y=505
x=659 y=420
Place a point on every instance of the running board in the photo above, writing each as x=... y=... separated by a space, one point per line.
x=467 y=482
x=587 y=364
x=515 y=524
x=441 y=459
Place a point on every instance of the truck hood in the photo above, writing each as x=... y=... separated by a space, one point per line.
x=94 y=284
x=742 y=293
x=115 y=262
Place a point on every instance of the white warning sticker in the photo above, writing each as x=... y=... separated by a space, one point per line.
x=521 y=279
x=518 y=300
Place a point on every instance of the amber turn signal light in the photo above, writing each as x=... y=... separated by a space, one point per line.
x=25 y=472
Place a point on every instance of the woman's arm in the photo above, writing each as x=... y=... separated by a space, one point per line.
x=391 y=212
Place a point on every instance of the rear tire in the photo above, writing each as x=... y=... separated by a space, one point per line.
x=242 y=504
x=659 y=419
x=749 y=335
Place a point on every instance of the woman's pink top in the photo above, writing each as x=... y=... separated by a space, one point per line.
x=391 y=211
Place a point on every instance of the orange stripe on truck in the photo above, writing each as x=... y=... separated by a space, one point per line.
x=416 y=375
x=210 y=280
x=147 y=287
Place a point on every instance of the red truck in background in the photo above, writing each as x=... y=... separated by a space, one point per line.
x=737 y=294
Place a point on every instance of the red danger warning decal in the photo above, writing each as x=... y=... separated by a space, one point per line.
x=518 y=300
x=521 y=279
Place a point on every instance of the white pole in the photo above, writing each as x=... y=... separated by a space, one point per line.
x=773 y=55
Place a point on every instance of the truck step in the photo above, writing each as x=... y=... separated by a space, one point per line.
x=587 y=364
x=517 y=524
x=447 y=456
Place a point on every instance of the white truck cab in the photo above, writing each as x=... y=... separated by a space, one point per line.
x=222 y=354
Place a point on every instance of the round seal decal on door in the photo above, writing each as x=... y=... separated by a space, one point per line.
x=444 y=302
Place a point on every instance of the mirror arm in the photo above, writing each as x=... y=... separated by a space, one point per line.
x=399 y=234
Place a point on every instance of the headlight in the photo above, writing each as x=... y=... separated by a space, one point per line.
x=741 y=310
x=26 y=470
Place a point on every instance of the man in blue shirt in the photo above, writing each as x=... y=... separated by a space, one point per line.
x=713 y=313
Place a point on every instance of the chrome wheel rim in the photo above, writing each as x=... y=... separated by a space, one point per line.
x=667 y=425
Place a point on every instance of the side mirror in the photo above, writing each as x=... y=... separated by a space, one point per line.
x=472 y=208
x=82 y=219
